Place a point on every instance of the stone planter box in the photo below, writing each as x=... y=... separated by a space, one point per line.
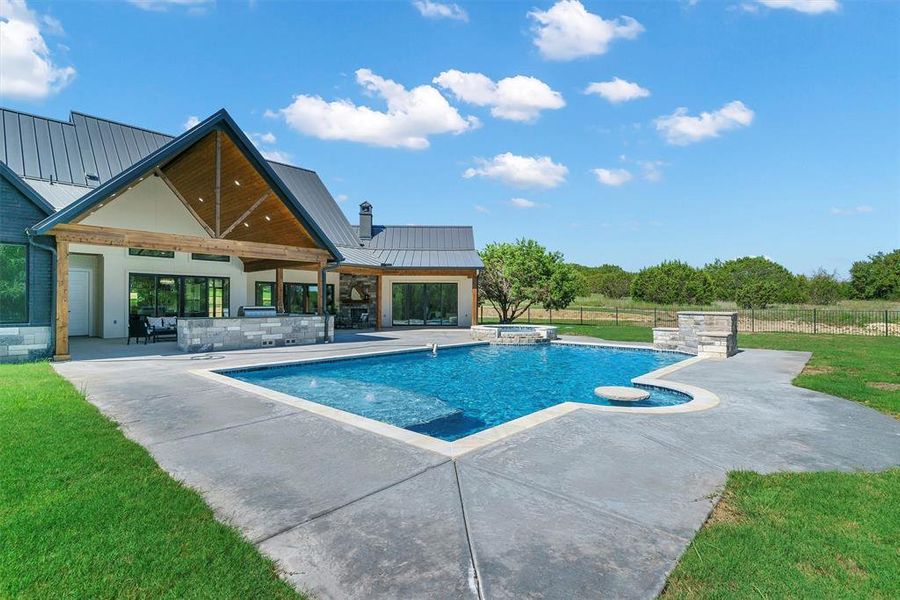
x=711 y=334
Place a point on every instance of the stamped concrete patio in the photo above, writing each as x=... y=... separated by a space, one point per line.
x=588 y=505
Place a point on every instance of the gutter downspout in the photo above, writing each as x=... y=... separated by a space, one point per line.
x=35 y=244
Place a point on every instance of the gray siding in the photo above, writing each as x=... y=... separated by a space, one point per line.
x=17 y=213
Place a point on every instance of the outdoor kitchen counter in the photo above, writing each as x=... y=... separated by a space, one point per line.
x=243 y=333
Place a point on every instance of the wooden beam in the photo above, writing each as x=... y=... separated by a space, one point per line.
x=246 y=214
x=399 y=271
x=218 y=181
x=323 y=290
x=130 y=238
x=254 y=266
x=187 y=204
x=378 y=303
x=279 y=290
x=62 y=302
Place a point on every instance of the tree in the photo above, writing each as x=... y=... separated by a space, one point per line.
x=824 y=288
x=611 y=281
x=515 y=276
x=672 y=282
x=753 y=282
x=877 y=278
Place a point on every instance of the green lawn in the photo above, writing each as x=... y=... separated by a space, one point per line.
x=797 y=535
x=86 y=513
x=809 y=535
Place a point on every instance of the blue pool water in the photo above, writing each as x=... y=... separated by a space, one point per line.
x=465 y=390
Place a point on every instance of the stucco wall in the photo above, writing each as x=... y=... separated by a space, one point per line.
x=463 y=291
x=150 y=206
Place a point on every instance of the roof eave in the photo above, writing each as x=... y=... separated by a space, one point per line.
x=25 y=189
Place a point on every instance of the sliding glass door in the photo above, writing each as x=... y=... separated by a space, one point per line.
x=424 y=304
x=177 y=296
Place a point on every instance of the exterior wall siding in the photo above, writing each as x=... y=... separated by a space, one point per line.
x=22 y=341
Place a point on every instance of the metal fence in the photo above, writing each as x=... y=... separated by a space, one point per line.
x=769 y=320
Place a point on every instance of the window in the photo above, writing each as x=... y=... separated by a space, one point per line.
x=424 y=304
x=178 y=296
x=13 y=288
x=265 y=293
x=298 y=297
x=210 y=257
x=152 y=253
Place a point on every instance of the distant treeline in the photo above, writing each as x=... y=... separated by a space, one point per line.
x=751 y=282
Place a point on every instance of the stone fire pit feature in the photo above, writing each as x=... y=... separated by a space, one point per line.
x=621 y=393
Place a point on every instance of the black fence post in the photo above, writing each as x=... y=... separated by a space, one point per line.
x=654 y=316
x=752 y=320
x=551 y=316
x=581 y=315
x=886 y=323
x=815 y=322
x=617 y=315
x=529 y=315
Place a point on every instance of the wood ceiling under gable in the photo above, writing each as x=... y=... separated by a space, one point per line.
x=249 y=210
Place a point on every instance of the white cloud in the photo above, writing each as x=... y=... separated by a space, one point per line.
x=519 y=98
x=440 y=10
x=810 y=7
x=613 y=177
x=411 y=116
x=481 y=209
x=264 y=138
x=567 y=31
x=341 y=198
x=520 y=171
x=276 y=155
x=191 y=122
x=522 y=203
x=27 y=69
x=617 y=90
x=193 y=6
x=652 y=169
x=681 y=129
x=854 y=210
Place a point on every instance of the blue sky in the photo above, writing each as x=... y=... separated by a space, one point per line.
x=797 y=156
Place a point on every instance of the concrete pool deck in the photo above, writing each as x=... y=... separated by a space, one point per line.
x=589 y=504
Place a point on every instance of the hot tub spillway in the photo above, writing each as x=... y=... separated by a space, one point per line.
x=516 y=335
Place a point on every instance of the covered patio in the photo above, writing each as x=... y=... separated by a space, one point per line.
x=208 y=194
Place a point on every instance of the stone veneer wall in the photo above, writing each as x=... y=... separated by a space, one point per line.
x=366 y=284
x=701 y=333
x=206 y=335
x=513 y=338
x=24 y=342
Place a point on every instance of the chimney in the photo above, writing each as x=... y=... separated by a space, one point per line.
x=365 y=221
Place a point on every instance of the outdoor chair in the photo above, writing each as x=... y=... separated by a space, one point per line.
x=137 y=329
x=162 y=328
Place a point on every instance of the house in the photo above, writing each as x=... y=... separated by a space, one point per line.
x=102 y=223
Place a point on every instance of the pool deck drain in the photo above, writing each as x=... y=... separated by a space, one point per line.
x=588 y=504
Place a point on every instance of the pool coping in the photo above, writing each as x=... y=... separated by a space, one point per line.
x=701 y=399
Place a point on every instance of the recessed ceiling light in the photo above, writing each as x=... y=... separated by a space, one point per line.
x=199 y=198
x=236 y=182
x=268 y=218
x=246 y=224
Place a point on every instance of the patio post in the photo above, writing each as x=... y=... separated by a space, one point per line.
x=320 y=308
x=62 y=301
x=279 y=290
x=378 y=302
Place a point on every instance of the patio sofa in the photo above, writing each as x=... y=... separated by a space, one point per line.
x=162 y=328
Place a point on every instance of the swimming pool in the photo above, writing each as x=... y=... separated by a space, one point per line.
x=464 y=390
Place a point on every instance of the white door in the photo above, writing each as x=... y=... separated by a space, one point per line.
x=79 y=302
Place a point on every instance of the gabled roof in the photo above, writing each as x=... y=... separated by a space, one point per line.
x=314 y=196
x=85 y=151
x=421 y=237
x=219 y=120
x=417 y=246
x=16 y=181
